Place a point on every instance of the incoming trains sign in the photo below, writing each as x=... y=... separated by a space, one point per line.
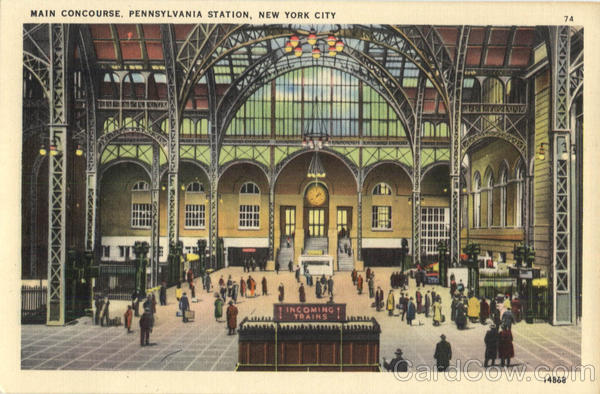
x=309 y=312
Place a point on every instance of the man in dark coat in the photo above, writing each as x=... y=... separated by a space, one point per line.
x=235 y=290
x=207 y=284
x=232 y=313
x=318 y=289
x=184 y=305
x=298 y=274
x=330 y=286
x=162 y=295
x=453 y=306
x=427 y=303
x=281 y=292
x=404 y=303
x=354 y=276
x=491 y=345
x=290 y=266
x=484 y=311
x=443 y=354
x=461 y=316
x=359 y=284
x=419 y=301
x=301 y=293
x=264 y=285
x=146 y=324
x=378 y=298
x=98 y=305
x=410 y=311
x=277 y=267
x=397 y=364
x=506 y=350
x=371 y=287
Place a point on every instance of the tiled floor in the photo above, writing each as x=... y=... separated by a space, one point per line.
x=205 y=345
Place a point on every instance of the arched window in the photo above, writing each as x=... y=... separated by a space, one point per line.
x=519 y=196
x=502 y=186
x=477 y=201
x=442 y=130
x=428 y=129
x=195 y=207
x=249 y=188
x=195 y=187
x=490 y=199
x=382 y=189
x=141 y=215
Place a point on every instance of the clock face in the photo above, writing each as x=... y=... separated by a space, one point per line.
x=316 y=195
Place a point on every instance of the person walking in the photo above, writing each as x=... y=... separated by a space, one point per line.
x=242 y=287
x=98 y=305
x=391 y=303
x=378 y=299
x=229 y=286
x=427 y=303
x=127 y=318
x=419 y=301
x=484 y=311
x=162 y=295
x=506 y=350
x=371 y=287
x=507 y=318
x=232 y=312
x=397 y=364
x=318 y=289
x=301 y=293
x=443 y=354
x=404 y=304
x=184 y=306
x=297 y=274
x=281 y=292
x=354 y=276
x=235 y=289
x=218 y=307
x=207 y=282
x=330 y=286
x=437 y=312
x=251 y=286
x=290 y=266
x=461 y=318
x=178 y=291
x=277 y=267
x=146 y=324
x=491 y=345
x=410 y=311
x=264 y=286
x=474 y=309
x=359 y=284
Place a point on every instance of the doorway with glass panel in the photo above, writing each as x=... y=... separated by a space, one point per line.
x=344 y=221
x=316 y=222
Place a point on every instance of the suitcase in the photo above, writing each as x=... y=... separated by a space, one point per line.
x=190 y=315
x=178 y=314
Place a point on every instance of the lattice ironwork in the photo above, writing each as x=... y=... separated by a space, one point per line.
x=33 y=221
x=561 y=59
x=416 y=174
x=561 y=217
x=455 y=138
x=168 y=43
x=57 y=176
x=155 y=216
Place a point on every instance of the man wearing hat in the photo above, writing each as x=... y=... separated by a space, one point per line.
x=184 y=305
x=491 y=345
x=232 y=313
x=397 y=364
x=146 y=324
x=443 y=353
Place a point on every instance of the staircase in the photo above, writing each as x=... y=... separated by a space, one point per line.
x=314 y=243
x=345 y=262
x=285 y=254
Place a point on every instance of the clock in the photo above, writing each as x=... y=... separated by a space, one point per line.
x=316 y=195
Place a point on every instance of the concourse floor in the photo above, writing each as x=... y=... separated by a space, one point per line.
x=203 y=345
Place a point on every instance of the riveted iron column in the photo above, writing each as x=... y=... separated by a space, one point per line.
x=33 y=200
x=359 y=210
x=57 y=168
x=168 y=39
x=213 y=171
x=455 y=147
x=416 y=175
x=271 y=219
x=155 y=216
x=561 y=149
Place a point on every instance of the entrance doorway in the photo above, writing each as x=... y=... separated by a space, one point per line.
x=344 y=221
x=288 y=221
x=316 y=222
